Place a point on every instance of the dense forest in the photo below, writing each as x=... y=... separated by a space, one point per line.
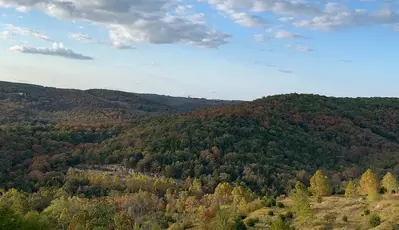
x=50 y=137
x=21 y=103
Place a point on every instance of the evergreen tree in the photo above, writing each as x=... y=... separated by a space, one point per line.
x=390 y=183
x=319 y=184
x=301 y=205
x=351 y=189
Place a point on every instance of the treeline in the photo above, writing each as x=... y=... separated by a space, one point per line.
x=100 y=200
x=134 y=202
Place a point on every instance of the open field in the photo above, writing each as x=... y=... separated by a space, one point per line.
x=387 y=208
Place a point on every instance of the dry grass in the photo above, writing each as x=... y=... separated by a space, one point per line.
x=387 y=208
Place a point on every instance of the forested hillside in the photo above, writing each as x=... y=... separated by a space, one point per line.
x=266 y=144
x=24 y=103
x=100 y=159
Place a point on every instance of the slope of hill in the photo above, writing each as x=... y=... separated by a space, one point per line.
x=266 y=144
x=25 y=102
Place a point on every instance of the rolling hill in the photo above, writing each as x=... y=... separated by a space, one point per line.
x=266 y=144
x=26 y=103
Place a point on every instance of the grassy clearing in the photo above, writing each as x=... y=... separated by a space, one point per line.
x=338 y=206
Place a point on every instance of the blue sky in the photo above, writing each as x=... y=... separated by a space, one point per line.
x=227 y=49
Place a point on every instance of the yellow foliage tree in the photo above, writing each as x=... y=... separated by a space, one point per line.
x=369 y=184
x=319 y=184
x=390 y=183
x=351 y=189
x=223 y=192
x=196 y=188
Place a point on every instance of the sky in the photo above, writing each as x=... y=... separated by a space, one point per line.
x=224 y=49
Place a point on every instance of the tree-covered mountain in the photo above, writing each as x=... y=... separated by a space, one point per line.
x=266 y=144
x=26 y=103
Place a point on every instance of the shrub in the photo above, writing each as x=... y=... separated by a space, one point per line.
x=319 y=199
x=282 y=217
x=270 y=202
x=366 y=212
x=374 y=220
x=289 y=215
x=345 y=218
x=280 y=205
x=395 y=227
x=239 y=224
x=251 y=222
x=270 y=213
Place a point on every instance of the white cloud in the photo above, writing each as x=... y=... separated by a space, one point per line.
x=279 y=7
x=247 y=20
x=57 y=49
x=149 y=21
x=22 y=9
x=241 y=18
x=317 y=15
x=12 y=29
x=116 y=43
x=286 y=19
x=5 y=35
x=181 y=9
x=338 y=16
x=283 y=34
x=172 y=29
x=80 y=37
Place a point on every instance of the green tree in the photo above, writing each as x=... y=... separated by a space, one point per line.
x=390 y=183
x=279 y=224
x=8 y=218
x=239 y=224
x=319 y=184
x=301 y=205
x=351 y=189
x=34 y=221
x=369 y=184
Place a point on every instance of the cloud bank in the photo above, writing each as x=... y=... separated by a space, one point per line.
x=57 y=49
x=130 y=22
